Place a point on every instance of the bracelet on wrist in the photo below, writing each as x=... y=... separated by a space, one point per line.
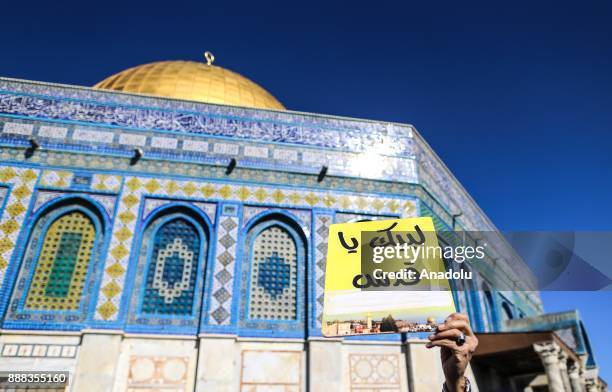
x=468 y=386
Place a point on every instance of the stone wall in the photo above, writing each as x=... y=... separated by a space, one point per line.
x=107 y=361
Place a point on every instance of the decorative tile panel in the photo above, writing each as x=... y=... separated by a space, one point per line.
x=81 y=180
x=88 y=135
x=106 y=182
x=249 y=154
x=52 y=132
x=321 y=131
x=195 y=145
x=42 y=197
x=61 y=270
x=374 y=372
x=39 y=350
x=57 y=269
x=166 y=293
x=273 y=280
x=22 y=182
x=108 y=202
x=171 y=276
x=151 y=204
x=56 y=178
x=304 y=216
x=223 y=275
x=285 y=154
x=321 y=233
x=164 y=142
x=148 y=373
x=131 y=139
x=314 y=157
x=118 y=256
x=255 y=152
x=225 y=148
x=18 y=128
x=209 y=209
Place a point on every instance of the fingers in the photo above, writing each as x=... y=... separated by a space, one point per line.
x=442 y=343
x=449 y=340
x=452 y=334
x=462 y=325
x=458 y=316
x=453 y=327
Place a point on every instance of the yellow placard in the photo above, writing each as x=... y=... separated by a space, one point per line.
x=408 y=296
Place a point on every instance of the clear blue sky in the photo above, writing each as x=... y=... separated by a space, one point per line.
x=515 y=97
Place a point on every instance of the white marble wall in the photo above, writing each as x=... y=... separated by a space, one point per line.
x=153 y=363
x=266 y=367
x=118 y=362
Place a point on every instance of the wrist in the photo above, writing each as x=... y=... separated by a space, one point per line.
x=460 y=385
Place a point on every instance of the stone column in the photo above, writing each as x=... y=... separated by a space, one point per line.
x=592 y=380
x=549 y=354
x=574 y=376
x=591 y=385
x=97 y=362
x=325 y=365
x=563 y=369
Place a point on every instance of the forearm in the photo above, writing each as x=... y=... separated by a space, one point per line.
x=460 y=385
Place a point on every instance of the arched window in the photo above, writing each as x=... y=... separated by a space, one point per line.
x=174 y=256
x=169 y=277
x=63 y=261
x=274 y=252
x=58 y=267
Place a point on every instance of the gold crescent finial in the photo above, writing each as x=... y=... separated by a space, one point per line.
x=210 y=58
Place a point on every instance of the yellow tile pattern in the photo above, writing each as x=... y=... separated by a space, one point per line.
x=62 y=264
x=22 y=182
x=106 y=182
x=56 y=178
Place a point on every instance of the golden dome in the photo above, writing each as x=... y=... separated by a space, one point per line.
x=192 y=81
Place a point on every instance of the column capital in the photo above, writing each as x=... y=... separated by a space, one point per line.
x=549 y=355
x=562 y=356
x=574 y=369
x=575 y=376
x=591 y=385
x=547 y=351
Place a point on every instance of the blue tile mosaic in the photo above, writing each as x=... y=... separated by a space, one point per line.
x=172 y=271
x=274 y=275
